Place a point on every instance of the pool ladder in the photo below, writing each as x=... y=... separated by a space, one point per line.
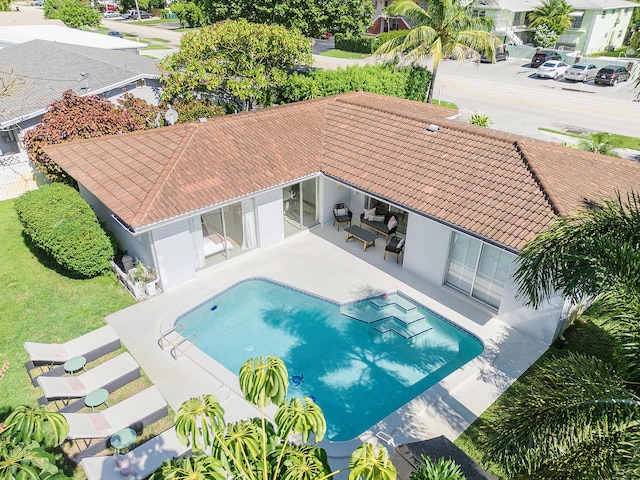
x=173 y=338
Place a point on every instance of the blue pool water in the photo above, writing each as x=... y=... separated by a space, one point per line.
x=360 y=361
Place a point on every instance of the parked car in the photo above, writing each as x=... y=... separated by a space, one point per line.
x=612 y=74
x=133 y=14
x=113 y=33
x=581 y=72
x=501 y=54
x=37 y=3
x=552 y=69
x=110 y=14
x=544 y=56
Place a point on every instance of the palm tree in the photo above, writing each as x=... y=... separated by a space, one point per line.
x=445 y=29
x=594 y=254
x=599 y=143
x=555 y=14
x=254 y=449
x=574 y=418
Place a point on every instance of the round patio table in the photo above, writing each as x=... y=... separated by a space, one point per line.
x=123 y=439
x=74 y=364
x=96 y=398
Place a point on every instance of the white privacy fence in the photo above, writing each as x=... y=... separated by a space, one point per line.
x=17 y=176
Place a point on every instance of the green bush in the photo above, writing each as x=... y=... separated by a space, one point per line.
x=358 y=44
x=407 y=82
x=385 y=37
x=58 y=221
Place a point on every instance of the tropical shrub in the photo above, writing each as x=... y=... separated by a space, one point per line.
x=355 y=43
x=480 y=120
x=73 y=13
x=443 y=469
x=58 y=220
x=257 y=449
x=544 y=36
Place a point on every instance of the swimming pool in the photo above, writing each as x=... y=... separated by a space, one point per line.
x=360 y=361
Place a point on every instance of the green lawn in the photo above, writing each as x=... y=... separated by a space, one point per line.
x=40 y=304
x=155 y=47
x=584 y=336
x=620 y=141
x=342 y=54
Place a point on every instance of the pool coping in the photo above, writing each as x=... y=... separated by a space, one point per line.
x=447 y=408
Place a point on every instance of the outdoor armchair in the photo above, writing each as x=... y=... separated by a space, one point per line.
x=341 y=214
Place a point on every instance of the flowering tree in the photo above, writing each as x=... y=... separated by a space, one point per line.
x=256 y=449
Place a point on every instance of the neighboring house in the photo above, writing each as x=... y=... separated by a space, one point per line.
x=598 y=25
x=184 y=198
x=383 y=23
x=43 y=70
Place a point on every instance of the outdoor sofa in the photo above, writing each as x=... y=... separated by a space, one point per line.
x=385 y=224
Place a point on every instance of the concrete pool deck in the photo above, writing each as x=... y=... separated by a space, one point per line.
x=321 y=262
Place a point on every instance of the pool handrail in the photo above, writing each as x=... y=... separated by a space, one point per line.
x=175 y=350
x=177 y=329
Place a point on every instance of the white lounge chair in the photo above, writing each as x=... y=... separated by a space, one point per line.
x=110 y=375
x=139 y=462
x=91 y=345
x=139 y=410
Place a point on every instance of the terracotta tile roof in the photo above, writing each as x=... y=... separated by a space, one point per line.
x=502 y=187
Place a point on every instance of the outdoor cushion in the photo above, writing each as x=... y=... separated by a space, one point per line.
x=392 y=223
x=376 y=218
x=341 y=212
x=401 y=243
x=368 y=212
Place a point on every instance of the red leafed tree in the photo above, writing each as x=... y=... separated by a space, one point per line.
x=74 y=117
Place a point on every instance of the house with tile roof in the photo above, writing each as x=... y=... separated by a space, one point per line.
x=186 y=197
x=44 y=70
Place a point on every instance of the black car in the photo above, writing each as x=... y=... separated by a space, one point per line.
x=501 y=54
x=611 y=74
x=113 y=33
x=543 y=56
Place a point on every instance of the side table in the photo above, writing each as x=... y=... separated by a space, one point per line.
x=123 y=439
x=74 y=364
x=96 y=398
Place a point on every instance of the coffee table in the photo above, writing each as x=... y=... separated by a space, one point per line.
x=123 y=439
x=367 y=238
x=74 y=364
x=96 y=398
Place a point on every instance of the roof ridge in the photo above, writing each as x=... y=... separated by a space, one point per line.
x=520 y=146
x=164 y=175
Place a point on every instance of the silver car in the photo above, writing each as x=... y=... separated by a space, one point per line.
x=552 y=69
x=581 y=72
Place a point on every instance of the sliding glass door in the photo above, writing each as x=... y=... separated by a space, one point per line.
x=300 y=206
x=478 y=269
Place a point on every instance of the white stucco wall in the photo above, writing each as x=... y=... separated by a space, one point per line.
x=138 y=247
x=542 y=323
x=331 y=193
x=608 y=30
x=427 y=249
x=269 y=209
x=174 y=253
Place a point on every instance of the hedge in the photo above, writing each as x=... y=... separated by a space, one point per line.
x=58 y=220
x=358 y=44
x=384 y=79
x=385 y=37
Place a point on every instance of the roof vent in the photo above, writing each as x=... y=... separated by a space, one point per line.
x=433 y=128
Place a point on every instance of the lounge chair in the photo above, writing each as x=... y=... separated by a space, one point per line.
x=109 y=375
x=395 y=246
x=91 y=345
x=139 y=410
x=139 y=462
x=341 y=214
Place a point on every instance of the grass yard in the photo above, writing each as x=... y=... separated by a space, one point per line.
x=584 y=336
x=155 y=47
x=620 y=141
x=342 y=54
x=40 y=304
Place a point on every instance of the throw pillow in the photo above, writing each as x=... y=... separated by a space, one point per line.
x=392 y=223
x=401 y=243
x=341 y=212
x=376 y=218
x=368 y=212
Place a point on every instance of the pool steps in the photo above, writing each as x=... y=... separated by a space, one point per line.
x=390 y=314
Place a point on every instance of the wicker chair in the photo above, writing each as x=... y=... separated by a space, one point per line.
x=395 y=246
x=341 y=214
